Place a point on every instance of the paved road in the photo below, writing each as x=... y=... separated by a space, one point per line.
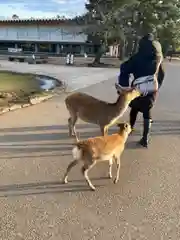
x=35 y=150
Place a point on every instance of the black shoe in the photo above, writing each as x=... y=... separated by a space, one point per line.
x=143 y=143
x=146 y=131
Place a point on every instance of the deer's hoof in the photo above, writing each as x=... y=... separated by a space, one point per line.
x=92 y=188
x=110 y=176
x=65 y=181
x=115 y=180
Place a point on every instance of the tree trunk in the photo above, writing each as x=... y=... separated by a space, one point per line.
x=122 y=50
x=129 y=48
x=99 y=53
x=97 y=59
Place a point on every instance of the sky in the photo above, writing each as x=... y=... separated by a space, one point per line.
x=41 y=8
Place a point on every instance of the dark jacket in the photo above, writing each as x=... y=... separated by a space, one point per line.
x=143 y=63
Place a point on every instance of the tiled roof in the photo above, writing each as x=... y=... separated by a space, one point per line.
x=32 y=20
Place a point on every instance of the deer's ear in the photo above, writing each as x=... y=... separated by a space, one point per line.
x=126 y=125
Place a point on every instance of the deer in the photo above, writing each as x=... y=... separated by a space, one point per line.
x=108 y=148
x=95 y=111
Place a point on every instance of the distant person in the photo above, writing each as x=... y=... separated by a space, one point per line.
x=170 y=53
x=146 y=62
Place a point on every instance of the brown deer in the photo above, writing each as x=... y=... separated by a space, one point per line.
x=92 y=110
x=104 y=148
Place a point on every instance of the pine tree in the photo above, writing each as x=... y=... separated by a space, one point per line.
x=105 y=24
x=125 y=21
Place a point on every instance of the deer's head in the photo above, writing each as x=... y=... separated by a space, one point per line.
x=129 y=93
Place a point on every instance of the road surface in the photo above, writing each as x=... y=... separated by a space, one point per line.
x=35 y=151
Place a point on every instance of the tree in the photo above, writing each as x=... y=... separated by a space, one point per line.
x=169 y=31
x=169 y=35
x=105 y=23
x=158 y=17
x=15 y=17
x=126 y=21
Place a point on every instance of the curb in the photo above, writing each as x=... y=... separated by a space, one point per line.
x=33 y=101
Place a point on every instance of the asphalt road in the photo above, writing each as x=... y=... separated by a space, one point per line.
x=35 y=151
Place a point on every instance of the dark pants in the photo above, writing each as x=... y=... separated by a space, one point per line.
x=143 y=105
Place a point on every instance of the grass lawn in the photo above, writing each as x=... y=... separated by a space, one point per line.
x=17 y=84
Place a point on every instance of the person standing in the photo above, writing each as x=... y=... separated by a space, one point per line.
x=146 y=62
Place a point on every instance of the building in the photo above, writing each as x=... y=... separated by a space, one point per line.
x=52 y=36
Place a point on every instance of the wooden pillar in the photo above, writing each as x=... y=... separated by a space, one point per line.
x=57 y=48
x=36 y=47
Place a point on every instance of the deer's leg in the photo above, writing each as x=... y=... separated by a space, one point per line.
x=118 y=162
x=112 y=123
x=70 y=166
x=71 y=124
x=104 y=129
x=110 y=168
x=74 y=120
x=85 y=170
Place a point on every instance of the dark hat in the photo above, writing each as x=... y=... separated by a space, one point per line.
x=148 y=36
x=145 y=44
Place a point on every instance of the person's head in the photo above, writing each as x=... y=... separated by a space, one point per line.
x=145 y=41
x=146 y=45
x=148 y=37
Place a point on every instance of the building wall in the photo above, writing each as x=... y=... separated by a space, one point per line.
x=51 y=37
x=42 y=33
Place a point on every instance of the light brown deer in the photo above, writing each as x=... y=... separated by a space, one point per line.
x=92 y=110
x=105 y=148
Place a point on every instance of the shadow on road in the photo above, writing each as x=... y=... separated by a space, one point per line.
x=28 y=140
x=38 y=188
x=46 y=155
x=9 y=144
x=158 y=124
x=42 y=128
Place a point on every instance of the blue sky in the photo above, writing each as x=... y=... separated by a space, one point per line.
x=41 y=8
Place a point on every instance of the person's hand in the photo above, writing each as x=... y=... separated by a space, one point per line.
x=117 y=86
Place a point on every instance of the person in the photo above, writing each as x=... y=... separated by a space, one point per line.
x=144 y=63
